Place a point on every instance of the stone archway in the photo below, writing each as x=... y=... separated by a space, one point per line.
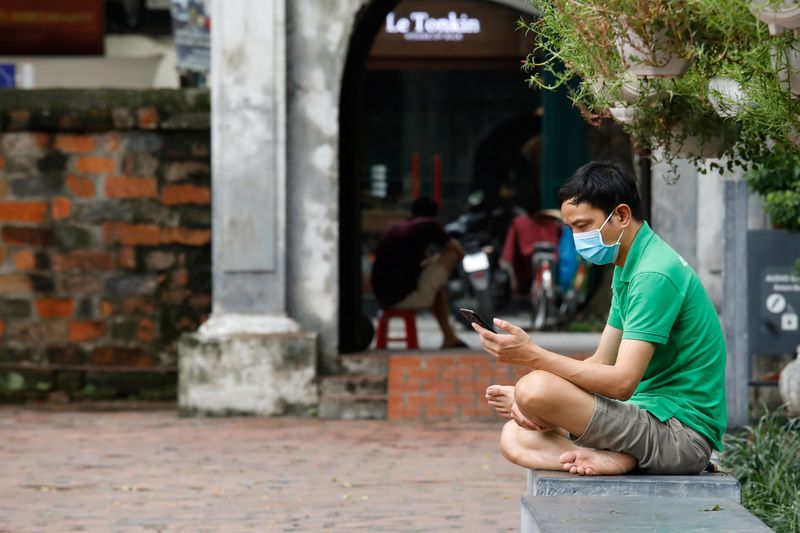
x=365 y=27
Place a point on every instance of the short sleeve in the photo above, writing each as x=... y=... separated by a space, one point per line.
x=614 y=319
x=653 y=306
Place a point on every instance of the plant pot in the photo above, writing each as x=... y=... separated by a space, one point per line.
x=622 y=114
x=778 y=18
x=632 y=89
x=789 y=386
x=788 y=69
x=695 y=147
x=645 y=63
x=726 y=96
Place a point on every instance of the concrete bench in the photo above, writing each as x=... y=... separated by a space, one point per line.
x=705 y=485
x=666 y=514
x=559 y=501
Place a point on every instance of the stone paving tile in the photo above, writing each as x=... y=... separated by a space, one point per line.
x=154 y=471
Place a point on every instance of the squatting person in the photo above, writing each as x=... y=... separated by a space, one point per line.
x=652 y=397
x=404 y=276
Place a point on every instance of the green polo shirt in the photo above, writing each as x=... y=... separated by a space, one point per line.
x=658 y=298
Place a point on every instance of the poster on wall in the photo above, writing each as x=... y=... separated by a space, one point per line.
x=774 y=291
x=191 y=30
x=52 y=27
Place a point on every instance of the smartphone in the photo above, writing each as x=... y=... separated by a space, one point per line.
x=472 y=316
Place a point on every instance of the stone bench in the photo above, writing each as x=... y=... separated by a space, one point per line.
x=559 y=501
x=705 y=485
x=666 y=514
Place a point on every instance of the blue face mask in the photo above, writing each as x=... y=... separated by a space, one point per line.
x=592 y=248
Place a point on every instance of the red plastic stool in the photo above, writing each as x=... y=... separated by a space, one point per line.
x=410 y=318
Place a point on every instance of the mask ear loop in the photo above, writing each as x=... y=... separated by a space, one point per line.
x=607 y=219
x=604 y=225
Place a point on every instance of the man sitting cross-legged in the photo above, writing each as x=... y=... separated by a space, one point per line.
x=652 y=397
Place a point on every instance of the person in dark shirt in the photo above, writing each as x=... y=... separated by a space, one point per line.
x=405 y=276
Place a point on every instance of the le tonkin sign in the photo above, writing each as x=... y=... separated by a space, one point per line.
x=421 y=26
x=467 y=30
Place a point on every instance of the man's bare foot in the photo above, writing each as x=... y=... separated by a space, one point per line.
x=501 y=397
x=589 y=462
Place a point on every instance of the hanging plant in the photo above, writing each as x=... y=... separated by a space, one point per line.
x=592 y=40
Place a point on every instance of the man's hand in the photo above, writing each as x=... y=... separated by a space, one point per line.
x=514 y=348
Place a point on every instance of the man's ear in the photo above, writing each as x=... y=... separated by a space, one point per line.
x=624 y=214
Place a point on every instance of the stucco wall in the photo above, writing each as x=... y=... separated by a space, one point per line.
x=317 y=40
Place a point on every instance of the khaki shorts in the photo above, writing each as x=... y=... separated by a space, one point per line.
x=660 y=447
x=431 y=279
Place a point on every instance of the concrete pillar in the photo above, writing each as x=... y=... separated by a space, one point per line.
x=705 y=218
x=249 y=357
x=736 y=304
x=689 y=214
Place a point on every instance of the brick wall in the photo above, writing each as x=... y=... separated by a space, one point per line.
x=104 y=225
x=441 y=386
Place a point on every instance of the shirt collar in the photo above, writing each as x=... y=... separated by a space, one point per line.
x=640 y=242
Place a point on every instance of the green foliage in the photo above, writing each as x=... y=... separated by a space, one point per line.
x=777 y=179
x=766 y=461
x=720 y=39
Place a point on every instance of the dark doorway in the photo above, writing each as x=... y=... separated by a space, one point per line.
x=414 y=107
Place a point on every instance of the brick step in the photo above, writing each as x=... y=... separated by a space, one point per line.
x=366 y=364
x=705 y=485
x=678 y=514
x=353 y=406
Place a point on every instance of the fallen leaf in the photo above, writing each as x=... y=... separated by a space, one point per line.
x=716 y=507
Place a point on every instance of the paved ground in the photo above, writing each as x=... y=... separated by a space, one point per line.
x=153 y=471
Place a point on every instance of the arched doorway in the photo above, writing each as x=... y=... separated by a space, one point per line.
x=438 y=104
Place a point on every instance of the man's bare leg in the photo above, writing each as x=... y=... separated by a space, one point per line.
x=544 y=396
x=442 y=315
x=448 y=259
x=541 y=450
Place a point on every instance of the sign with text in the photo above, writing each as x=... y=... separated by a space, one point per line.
x=52 y=27
x=421 y=26
x=447 y=28
x=774 y=291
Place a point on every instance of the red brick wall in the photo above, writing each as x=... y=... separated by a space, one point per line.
x=441 y=386
x=104 y=225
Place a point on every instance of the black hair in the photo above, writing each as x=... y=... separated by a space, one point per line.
x=603 y=185
x=424 y=207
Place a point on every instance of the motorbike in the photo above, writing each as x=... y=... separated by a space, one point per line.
x=560 y=282
x=477 y=282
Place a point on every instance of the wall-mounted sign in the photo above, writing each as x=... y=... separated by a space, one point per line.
x=774 y=291
x=421 y=26
x=449 y=29
x=52 y=27
x=191 y=29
